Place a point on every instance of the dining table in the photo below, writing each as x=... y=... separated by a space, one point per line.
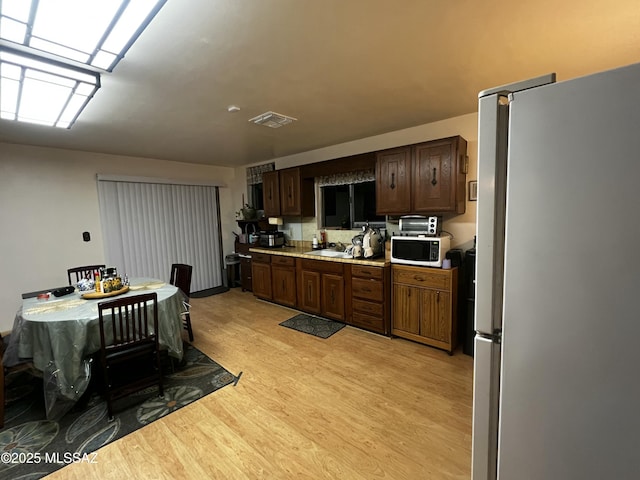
x=59 y=335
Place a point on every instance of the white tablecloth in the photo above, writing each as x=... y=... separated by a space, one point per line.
x=59 y=334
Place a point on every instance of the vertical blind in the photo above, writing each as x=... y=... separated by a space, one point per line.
x=149 y=226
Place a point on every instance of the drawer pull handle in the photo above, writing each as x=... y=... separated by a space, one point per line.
x=434 y=181
x=418 y=278
x=393 y=181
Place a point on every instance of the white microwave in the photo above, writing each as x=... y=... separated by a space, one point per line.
x=419 y=250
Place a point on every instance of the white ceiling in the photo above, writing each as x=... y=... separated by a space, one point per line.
x=347 y=69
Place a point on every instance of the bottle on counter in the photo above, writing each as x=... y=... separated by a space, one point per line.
x=97 y=283
x=323 y=238
x=314 y=242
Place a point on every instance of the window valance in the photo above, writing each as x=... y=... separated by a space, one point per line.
x=347 y=178
x=254 y=174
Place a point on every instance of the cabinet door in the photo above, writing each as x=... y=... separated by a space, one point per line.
x=405 y=314
x=393 y=184
x=261 y=273
x=245 y=274
x=435 y=321
x=284 y=285
x=309 y=297
x=333 y=296
x=271 y=193
x=438 y=179
x=290 y=193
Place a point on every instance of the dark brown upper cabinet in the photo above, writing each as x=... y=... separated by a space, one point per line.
x=287 y=193
x=271 y=193
x=424 y=178
x=393 y=181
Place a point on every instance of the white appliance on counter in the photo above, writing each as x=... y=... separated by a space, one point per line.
x=557 y=361
x=418 y=243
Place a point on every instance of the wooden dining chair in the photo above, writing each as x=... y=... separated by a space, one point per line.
x=7 y=373
x=129 y=346
x=181 y=278
x=82 y=272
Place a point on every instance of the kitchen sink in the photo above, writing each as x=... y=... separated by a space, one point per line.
x=328 y=252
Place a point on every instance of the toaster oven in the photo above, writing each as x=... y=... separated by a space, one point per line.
x=271 y=239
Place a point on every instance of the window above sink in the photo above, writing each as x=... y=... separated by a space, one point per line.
x=348 y=200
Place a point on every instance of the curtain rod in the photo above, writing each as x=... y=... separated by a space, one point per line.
x=130 y=179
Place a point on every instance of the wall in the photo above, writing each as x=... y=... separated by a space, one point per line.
x=48 y=197
x=462 y=227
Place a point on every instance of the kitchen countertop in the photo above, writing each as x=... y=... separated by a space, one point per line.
x=301 y=252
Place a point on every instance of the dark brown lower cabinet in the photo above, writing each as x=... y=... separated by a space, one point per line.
x=333 y=296
x=309 y=292
x=261 y=275
x=245 y=274
x=283 y=278
x=321 y=288
x=370 y=298
x=359 y=295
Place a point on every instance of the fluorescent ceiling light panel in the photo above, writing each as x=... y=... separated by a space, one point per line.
x=96 y=32
x=272 y=119
x=60 y=36
x=43 y=92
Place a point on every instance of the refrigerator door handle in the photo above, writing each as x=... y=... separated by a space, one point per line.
x=493 y=136
x=492 y=179
x=486 y=398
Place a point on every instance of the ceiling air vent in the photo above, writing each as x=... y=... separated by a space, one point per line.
x=272 y=119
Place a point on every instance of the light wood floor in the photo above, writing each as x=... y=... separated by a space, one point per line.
x=355 y=406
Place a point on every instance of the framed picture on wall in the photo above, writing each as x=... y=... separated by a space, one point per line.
x=473 y=190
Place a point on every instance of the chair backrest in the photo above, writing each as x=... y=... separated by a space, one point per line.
x=181 y=277
x=125 y=321
x=83 y=272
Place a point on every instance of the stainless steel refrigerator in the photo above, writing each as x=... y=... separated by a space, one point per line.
x=557 y=346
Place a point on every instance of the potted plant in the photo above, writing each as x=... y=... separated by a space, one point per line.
x=248 y=212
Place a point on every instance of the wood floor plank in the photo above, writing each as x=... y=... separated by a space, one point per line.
x=356 y=405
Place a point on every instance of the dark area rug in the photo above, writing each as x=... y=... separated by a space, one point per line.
x=209 y=292
x=32 y=447
x=320 y=327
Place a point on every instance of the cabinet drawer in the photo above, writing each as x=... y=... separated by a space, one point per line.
x=368 y=322
x=422 y=277
x=284 y=261
x=370 y=308
x=366 y=272
x=260 y=257
x=321 y=266
x=369 y=289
